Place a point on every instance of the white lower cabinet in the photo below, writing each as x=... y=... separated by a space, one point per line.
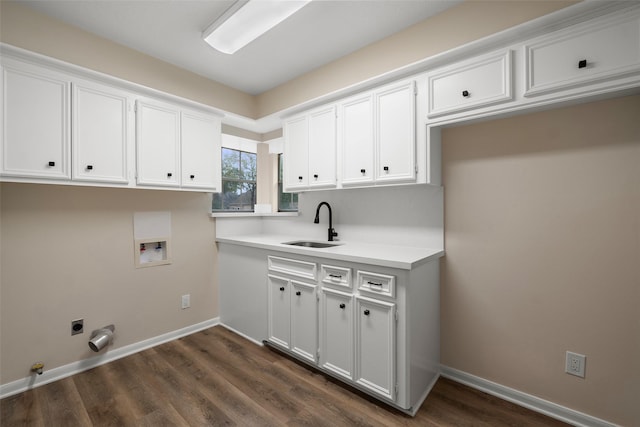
x=359 y=332
x=376 y=346
x=336 y=332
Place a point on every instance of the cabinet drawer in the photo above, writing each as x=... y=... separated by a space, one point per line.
x=471 y=84
x=339 y=277
x=585 y=54
x=376 y=284
x=303 y=269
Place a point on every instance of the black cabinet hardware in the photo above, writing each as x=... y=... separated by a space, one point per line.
x=366 y=312
x=89 y=167
x=52 y=164
x=465 y=93
x=169 y=175
x=282 y=288
x=298 y=293
x=582 y=63
x=342 y=306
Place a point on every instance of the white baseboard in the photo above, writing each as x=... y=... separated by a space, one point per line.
x=528 y=401
x=61 y=372
x=235 y=331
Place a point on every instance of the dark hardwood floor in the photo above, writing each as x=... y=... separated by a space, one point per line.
x=216 y=377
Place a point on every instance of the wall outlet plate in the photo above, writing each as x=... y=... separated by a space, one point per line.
x=186 y=301
x=575 y=364
x=77 y=326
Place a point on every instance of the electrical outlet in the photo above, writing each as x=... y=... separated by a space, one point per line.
x=186 y=301
x=575 y=364
x=77 y=326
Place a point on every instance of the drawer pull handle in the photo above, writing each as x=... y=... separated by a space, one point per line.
x=282 y=288
x=89 y=167
x=465 y=93
x=52 y=164
x=366 y=312
x=582 y=63
x=298 y=293
x=335 y=276
x=375 y=284
x=342 y=306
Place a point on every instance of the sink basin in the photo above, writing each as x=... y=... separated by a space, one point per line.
x=309 y=244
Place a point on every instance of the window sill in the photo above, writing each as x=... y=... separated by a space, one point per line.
x=250 y=214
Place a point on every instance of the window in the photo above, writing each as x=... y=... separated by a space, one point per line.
x=287 y=202
x=238 y=182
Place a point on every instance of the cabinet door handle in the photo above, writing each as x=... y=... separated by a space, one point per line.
x=582 y=63
x=89 y=167
x=385 y=168
x=51 y=164
x=342 y=306
x=366 y=312
x=363 y=171
x=299 y=178
x=465 y=93
x=282 y=288
x=315 y=176
x=169 y=175
x=192 y=176
x=298 y=293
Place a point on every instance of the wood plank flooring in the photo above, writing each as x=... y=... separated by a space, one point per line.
x=217 y=378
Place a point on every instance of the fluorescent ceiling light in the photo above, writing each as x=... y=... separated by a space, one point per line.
x=247 y=20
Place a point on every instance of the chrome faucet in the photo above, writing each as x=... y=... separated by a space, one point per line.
x=332 y=233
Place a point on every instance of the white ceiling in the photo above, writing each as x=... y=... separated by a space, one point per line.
x=171 y=30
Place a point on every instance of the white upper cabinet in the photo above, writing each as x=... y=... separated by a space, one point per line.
x=357 y=140
x=322 y=148
x=585 y=54
x=201 y=152
x=378 y=136
x=474 y=83
x=158 y=144
x=310 y=150
x=100 y=133
x=35 y=124
x=395 y=126
x=296 y=153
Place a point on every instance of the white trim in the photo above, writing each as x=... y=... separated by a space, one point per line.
x=528 y=401
x=245 y=336
x=73 y=368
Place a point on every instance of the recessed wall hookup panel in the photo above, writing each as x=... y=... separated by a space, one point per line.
x=152 y=252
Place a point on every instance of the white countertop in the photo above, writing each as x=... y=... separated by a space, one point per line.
x=393 y=256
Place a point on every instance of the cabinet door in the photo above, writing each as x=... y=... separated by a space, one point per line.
x=336 y=333
x=35 y=135
x=304 y=320
x=158 y=144
x=376 y=346
x=322 y=148
x=201 y=152
x=296 y=153
x=474 y=83
x=357 y=137
x=396 y=125
x=279 y=311
x=584 y=55
x=100 y=134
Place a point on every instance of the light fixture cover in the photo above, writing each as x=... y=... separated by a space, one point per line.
x=245 y=21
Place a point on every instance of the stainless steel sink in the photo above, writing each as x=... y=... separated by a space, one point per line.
x=310 y=244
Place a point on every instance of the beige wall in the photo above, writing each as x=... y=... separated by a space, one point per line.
x=31 y=30
x=542 y=236
x=453 y=27
x=67 y=253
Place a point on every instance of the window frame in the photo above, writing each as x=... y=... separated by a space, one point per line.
x=241 y=180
